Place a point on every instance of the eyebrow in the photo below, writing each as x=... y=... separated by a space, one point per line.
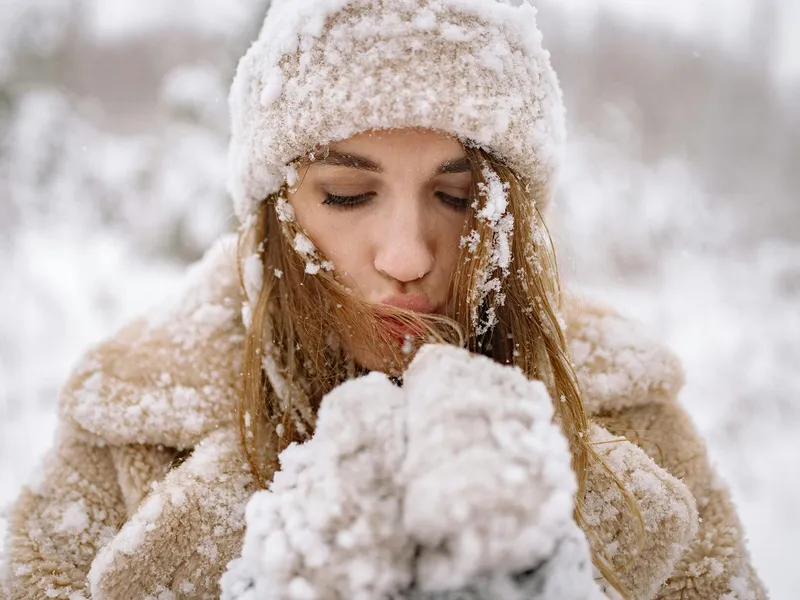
x=460 y=165
x=341 y=159
x=335 y=158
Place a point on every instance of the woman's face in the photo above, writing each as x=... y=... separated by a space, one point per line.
x=388 y=209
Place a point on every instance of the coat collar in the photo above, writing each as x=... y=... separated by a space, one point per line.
x=172 y=377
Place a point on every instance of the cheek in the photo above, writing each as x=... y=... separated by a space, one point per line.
x=337 y=238
x=448 y=235
x=349 y=253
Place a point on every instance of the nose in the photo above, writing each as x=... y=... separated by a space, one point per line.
x=404 y=249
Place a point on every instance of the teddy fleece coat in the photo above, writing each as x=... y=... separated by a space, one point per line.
x=143 y=494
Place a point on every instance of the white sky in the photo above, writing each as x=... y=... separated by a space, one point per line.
x=788 y=64
x=722 y=18
x=726 y=20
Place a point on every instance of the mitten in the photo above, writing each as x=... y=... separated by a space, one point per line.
x=330 y=525
x=489 y=487
x=457 y=485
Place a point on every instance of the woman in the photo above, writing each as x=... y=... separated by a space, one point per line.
x=390 y=165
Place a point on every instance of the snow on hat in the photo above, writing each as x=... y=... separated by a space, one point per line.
x=324 y=70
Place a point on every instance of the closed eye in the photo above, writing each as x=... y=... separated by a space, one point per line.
x=350 y=202
x=453 y=201
x=347 y=201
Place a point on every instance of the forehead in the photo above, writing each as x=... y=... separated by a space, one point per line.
x=392 y=150
x=425 y=141
x=410 y=135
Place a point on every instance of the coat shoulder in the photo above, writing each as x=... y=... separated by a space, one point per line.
x=171 y=376
x=619 y=364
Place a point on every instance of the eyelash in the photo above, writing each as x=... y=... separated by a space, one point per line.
x=352 y=202
x=346 y=202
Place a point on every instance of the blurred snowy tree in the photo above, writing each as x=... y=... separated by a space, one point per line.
x=116 y=121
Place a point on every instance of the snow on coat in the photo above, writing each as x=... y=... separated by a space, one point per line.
x=144 y=492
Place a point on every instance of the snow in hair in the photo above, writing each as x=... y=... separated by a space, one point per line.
x=475 y=69
x=494 y=211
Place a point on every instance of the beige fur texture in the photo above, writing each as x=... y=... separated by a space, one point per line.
x=143 y=493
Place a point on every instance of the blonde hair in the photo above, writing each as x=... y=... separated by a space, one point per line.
x=297 y=320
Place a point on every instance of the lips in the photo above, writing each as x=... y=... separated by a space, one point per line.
x=397 y=329
x=416 y=302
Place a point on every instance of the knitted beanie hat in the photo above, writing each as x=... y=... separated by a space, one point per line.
x=324 y=70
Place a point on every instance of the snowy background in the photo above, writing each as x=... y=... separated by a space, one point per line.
x=680 y=204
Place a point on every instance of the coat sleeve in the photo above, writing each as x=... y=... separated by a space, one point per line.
x=717 y=564
x=184 y=532
x=639 y=518
x=60 y=522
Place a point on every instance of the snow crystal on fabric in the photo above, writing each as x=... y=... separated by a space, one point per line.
x=449 y=487
x=618 y=364
x=740 y=589
x=322 y=71
x=128 y=540
x=667 y=508
x=198 y=508
x=181 y=358
x=75 y=519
